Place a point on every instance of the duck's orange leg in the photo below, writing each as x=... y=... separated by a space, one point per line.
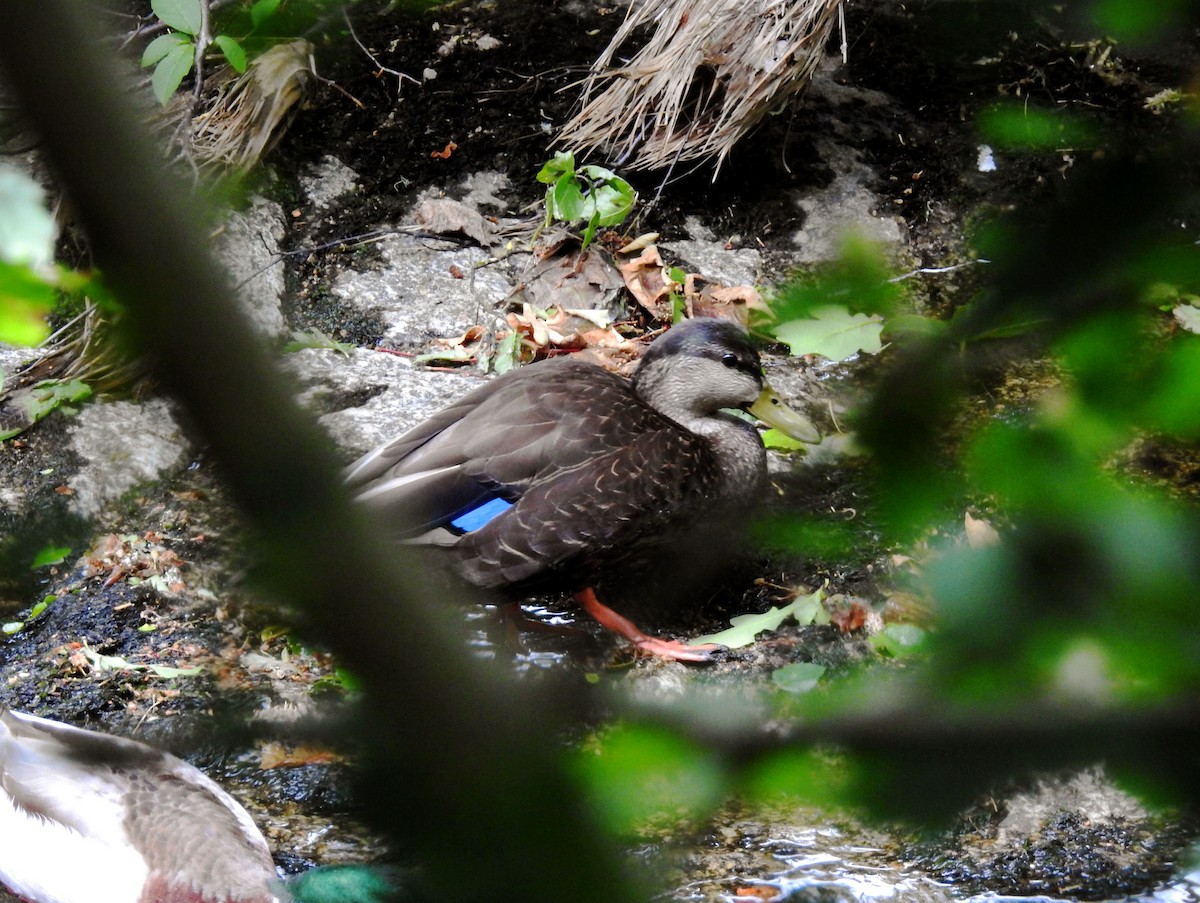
x=608 y=618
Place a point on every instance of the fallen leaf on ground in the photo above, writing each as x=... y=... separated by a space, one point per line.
x=444 y=216
x=734 y=302
x=798 y=677
x=1188 y=316
x=566 y=277
x=767 y=893
x=645 y=281
x=276 y=755
x=853 y=616
x=746 y=627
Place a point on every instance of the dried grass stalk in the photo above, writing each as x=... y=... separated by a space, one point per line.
x=708 y=73
x=248 y=114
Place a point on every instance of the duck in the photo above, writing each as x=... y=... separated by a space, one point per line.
x=87 y=817
x=559 y=473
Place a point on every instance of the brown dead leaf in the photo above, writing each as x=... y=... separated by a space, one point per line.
x=763 y=892
x=276 y=755
x=444 y=153
x=848 y=614
x=570 y=278
x=470 y=337
x=732 y=302
x=980 y=534
x=444 y=216
x=643 y=241
x=645 y=280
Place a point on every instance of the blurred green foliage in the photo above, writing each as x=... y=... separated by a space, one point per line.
x=1075 y=637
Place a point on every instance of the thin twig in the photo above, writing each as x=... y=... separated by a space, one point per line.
x=203 y=39
x=400 y=76
x=923 y=271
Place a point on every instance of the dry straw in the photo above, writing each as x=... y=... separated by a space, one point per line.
x=708 y=73
x=249 y=113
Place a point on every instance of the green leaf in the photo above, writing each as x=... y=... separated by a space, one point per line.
x=897 y=640
x=51 y=393
x=859 y=279
x=815 y=777
x=1172 y=407
x=640 y=773
x=613 y=200
x=50 y=555
x=182 y=15
x=566 y=201
x=161 y=46
x=233 y=51
x=262 y=10
x=171 y=69
x=116 y=663
x=316 y=339
x=563 y=163
x=42 y=606
x=833 y=332
x=590 y=232
x=746 y=627
x=25 y=301
x=169 y=672
x=593 y=195
x=1137 y=20
x=12 y=627
x=799 y=677
x=508 y=353
x=781 y=441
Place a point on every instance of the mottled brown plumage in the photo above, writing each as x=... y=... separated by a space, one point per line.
x=89 y=818
x=601 y=472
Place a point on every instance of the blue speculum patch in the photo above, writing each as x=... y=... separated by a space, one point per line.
x=480 y=515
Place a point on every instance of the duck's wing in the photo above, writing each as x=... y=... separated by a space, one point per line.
x=500 y=440
x=598 y=512
x=119 y=814
x=66 y=774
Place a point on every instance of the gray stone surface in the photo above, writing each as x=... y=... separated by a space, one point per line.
x=426 y=288
x=846 y=206
x=328 y=181
x=406 y=394
x=248 y=246
x=124 y=443
x=711 y=259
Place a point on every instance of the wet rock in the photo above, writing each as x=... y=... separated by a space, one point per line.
x=1075 y=836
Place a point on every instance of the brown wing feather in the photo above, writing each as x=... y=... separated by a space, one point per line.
x=589 y=517
x=519 y=430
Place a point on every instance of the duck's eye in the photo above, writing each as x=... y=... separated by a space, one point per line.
x=729 y=359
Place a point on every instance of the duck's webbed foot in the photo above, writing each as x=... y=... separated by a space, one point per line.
x=672 y=649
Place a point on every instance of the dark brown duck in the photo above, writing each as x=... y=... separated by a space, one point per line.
x=554 y=474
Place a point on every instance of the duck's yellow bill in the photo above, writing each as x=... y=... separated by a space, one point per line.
x=770 y=409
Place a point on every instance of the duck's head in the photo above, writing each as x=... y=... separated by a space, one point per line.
x=704 y=365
